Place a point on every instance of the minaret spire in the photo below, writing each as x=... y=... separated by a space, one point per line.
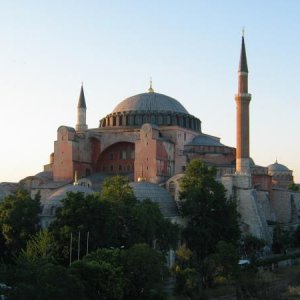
x=81 y=112
x=81 y=101
x=243 y=67
x=242 y=99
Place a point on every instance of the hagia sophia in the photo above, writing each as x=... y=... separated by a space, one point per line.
x=151 y=137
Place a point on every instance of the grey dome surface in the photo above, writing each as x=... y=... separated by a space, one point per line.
x=150 y=102
x=147 y=190
x=54 y=200
x=62 y=192
x=204 y=140
x=276 y=167
x=4 y=193
x=46 y=176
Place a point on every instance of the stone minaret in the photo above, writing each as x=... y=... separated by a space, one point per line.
x=242 y=99
x=81 y=112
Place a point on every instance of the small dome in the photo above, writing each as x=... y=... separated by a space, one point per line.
x=205 y=140
x=4 y=193
x=276 y=167
x=147 y=190
x=62 y=192
x=150 y=102
x=46 y=176
x=54 y=200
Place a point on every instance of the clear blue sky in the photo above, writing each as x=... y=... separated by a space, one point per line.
x=190 y=48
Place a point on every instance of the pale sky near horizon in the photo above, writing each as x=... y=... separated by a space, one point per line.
x=190 y=48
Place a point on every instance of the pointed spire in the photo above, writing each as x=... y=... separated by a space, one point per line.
x=81 y=101
x=243 y=67
x=151 y=90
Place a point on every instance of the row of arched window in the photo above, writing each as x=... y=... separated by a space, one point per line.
x=130 y=119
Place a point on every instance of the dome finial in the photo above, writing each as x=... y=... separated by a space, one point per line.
x=150 y=90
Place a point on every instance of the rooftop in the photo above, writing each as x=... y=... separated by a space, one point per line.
x=150 y=102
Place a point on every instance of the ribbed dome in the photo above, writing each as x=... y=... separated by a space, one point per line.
x=276 y=167
x=55 y=199
x=150 y=102
x=147 y=190
x=62 y=192
x=204 y=140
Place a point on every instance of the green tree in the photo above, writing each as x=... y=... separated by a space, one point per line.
x=293 y=187
x=210 y=216
x=78 y=214
x=148 y=225
x=251 y=245
x=187 y=278
x=35 y=277
x=110 y=223
x=144 y=268
x=296 y=237
x=19 y=220
x=188 y=282
x=282 y=239
x=39 y=246
x=134 y=273
x=102 y=280
x=117 y=188
x=45 y=282
x=226 y=260
x=112 y=256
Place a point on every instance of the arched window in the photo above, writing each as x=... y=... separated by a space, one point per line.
x=160 y=120
x=168 y=120
x=172 y=188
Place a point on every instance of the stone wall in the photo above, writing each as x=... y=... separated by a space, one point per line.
x=286 y=205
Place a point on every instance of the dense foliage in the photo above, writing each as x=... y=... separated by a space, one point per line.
x=19 y=220
x=118 y=244
x=293 y=187
x=212 y=230
x=107 y=221
x=211 y=217
x=114 y=258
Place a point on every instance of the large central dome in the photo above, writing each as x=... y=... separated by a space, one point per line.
x=150 y=102
x=154 y=108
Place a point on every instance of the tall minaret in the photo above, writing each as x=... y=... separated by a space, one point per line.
x=242 y=99
x=81 y=112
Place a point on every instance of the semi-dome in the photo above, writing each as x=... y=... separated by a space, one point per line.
x=276 y=167
x=205 y=140
x=147 y=190
x=150 y=102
